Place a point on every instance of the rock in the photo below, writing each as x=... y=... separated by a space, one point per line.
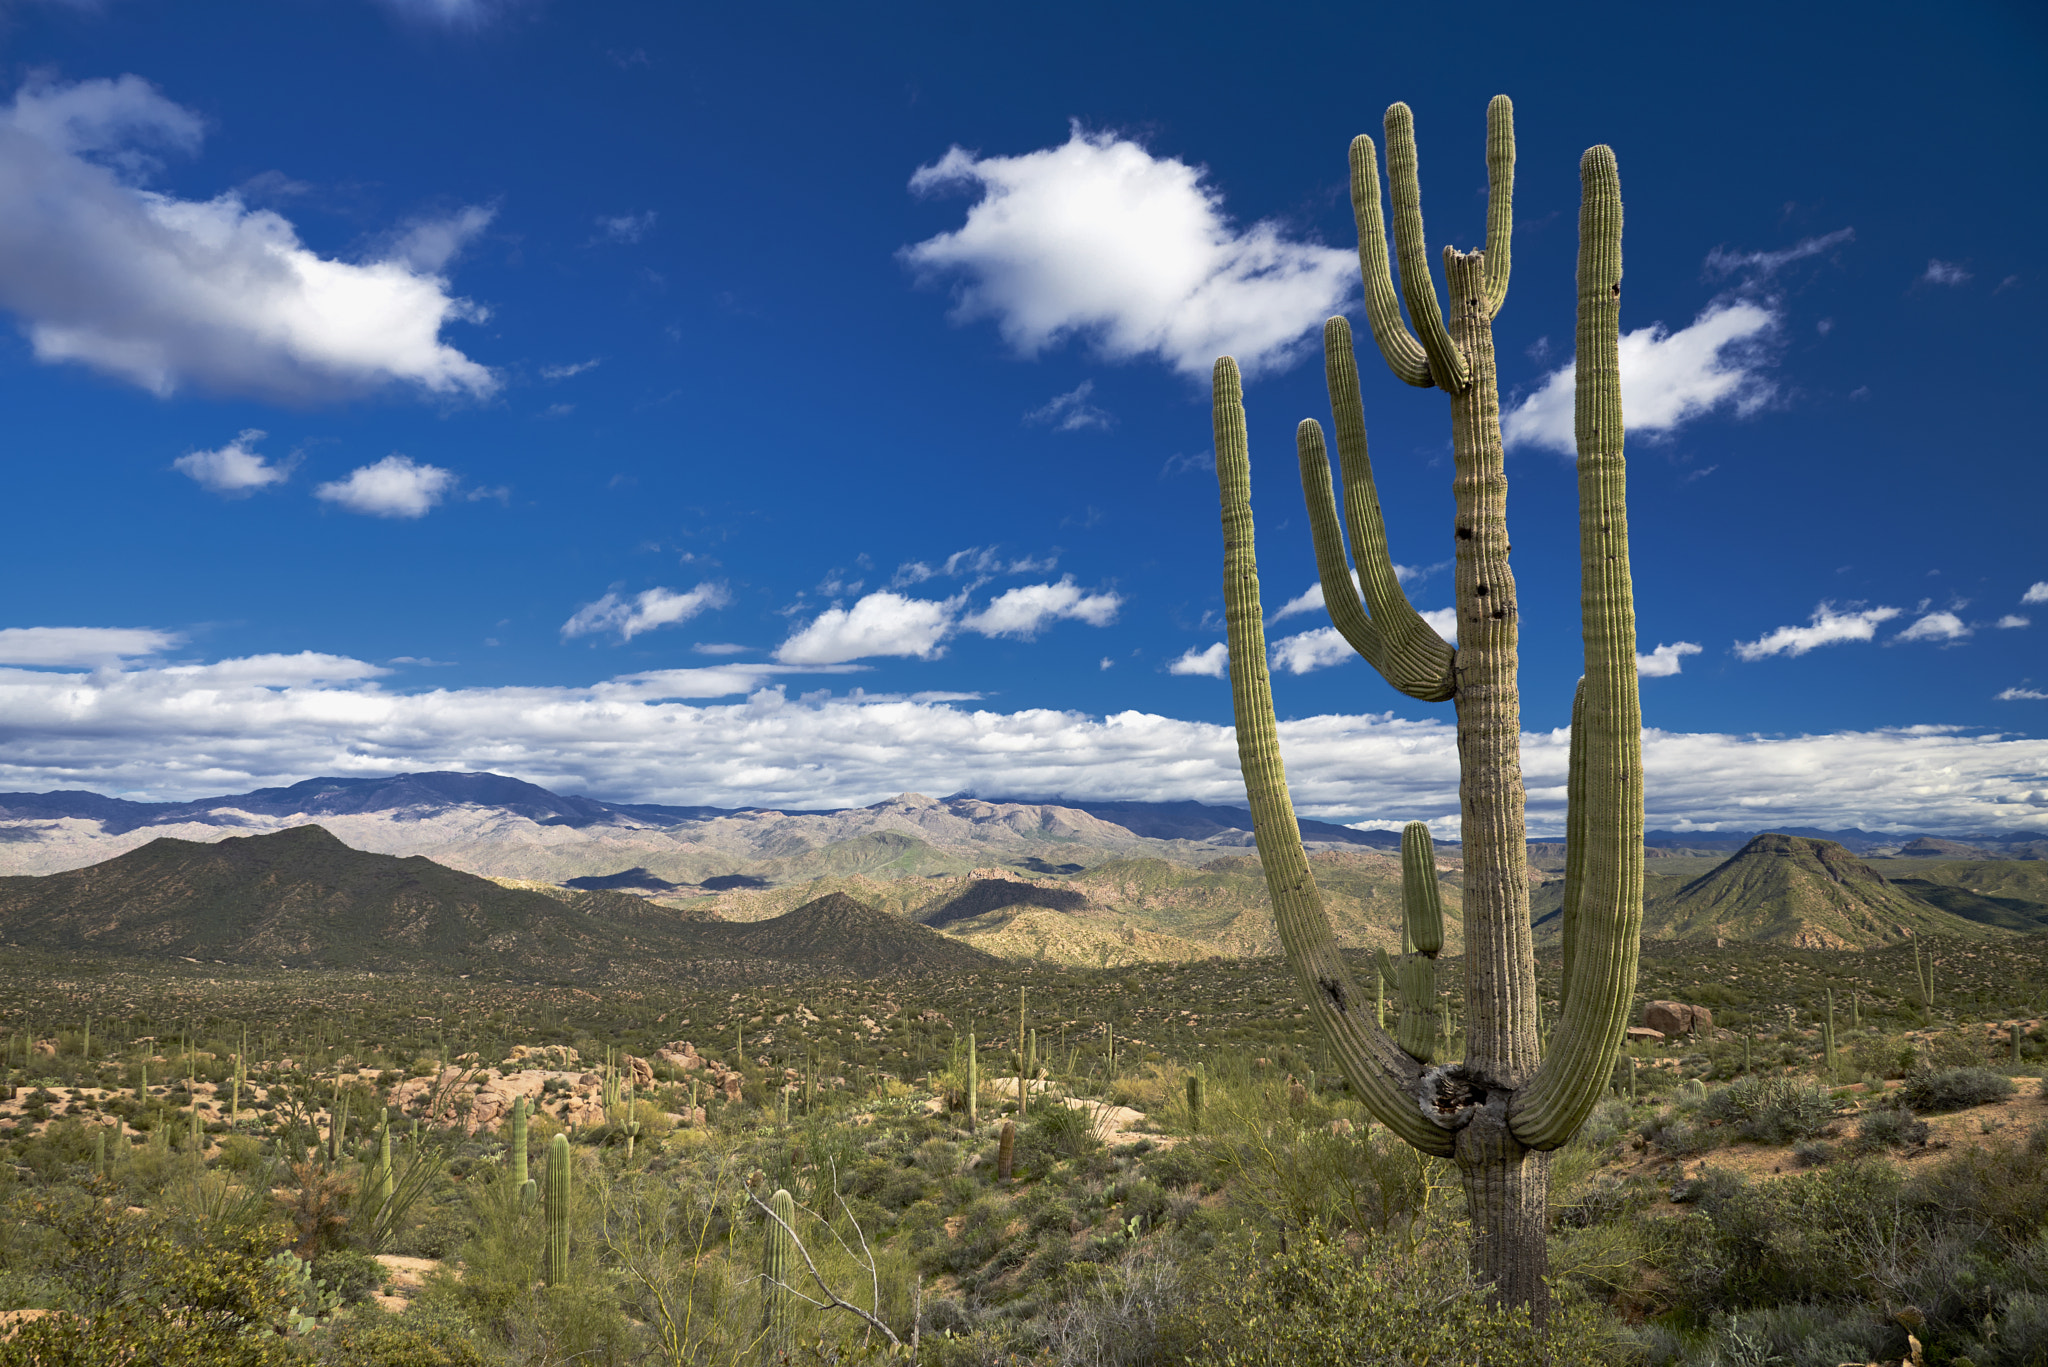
x=1677 y=1018
x=1341 y=1125
x=643 y=1071
x=731 y=1084
x=46 y=1048
x=1645 y=1034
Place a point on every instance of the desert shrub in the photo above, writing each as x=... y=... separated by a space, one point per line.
x=351 y=1275
x=1883 y=1055
x=1773 y=1110
x=1890 y=1127
x=421 y=1337
x=1811 y=1153
x=1955 y=1089
x=1388 y=1300
x=2001 y=1189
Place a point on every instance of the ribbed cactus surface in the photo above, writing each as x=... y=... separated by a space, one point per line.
x=555 y=1253
x=778 y=1269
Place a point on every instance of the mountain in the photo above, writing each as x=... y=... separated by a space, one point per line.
x=845 y=933
x=2012 y=893
x=301 y=897
x=1796 y=890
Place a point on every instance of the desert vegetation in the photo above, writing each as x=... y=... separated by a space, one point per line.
x=210 y=1165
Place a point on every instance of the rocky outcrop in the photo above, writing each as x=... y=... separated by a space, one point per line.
x=1677 y=1018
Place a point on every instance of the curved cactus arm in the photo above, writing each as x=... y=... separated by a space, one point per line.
x=1418 y=288
x=1394 y=639
x=1422 y=901
x=1500 y=196
x=1546 y=1112
x=1398 y=347
x=1574 y=839
x=1384 y=1076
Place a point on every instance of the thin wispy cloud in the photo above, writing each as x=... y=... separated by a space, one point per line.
x=1761 y=265
x=2022 y=695
x=563 y=372
x=167 y=293
x=1827 y=627
x=1071 y=411
x=645 y=611
x=234 y=470
x=1667 y=378
x=976 y=562
x=627 y=228
x=84 y=646
x=1941 y=272
x=1097 y=239
x=396 y=486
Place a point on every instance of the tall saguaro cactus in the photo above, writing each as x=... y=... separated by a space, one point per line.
x=1508 y=1102
x=555 y=1250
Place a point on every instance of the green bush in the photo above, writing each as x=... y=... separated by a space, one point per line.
x=421 y=1337
x=1955 y=1089
x=351 y=1275
x=1890 y=1127
x=1773 y=1110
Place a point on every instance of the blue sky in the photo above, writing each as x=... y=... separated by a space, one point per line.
x=796 y=405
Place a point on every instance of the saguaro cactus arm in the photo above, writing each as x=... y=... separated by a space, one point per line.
x=1500 y=196
x=1384 y=1076
x=1608 y=920
x=1394 y=639
x=1398 y=347
x=1447 y=365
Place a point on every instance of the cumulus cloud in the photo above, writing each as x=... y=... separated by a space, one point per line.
x=1444 y=620
x=394 y=487
x=1827 y=627
x=644 y=611
x=234 y=470
x=1664 y=661
x=60 y=646
x=1210 y=662
x=1940 y=272
x=165 y=292
x=1071 y=411
x=1667 y=378
x=234 y=725
x=1025 y=611
x=1935 y=626
x=2012 y=620
x=1311 y=650
x=2036 y=592
x=880 y=624
x=1099 y=239
x=2017 y=694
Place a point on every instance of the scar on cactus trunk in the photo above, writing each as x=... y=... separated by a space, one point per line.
x=1500 y=1110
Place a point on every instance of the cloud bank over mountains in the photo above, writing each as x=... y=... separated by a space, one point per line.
x=190 y=730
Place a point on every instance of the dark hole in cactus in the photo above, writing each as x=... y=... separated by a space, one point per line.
x=1499 y=613
x=1479 y=590
x=1464 y=533
x=1455 y=1091
x=1334 y=990
x=1617 y=290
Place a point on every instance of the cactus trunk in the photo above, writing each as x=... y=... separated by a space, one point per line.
x=973 y=1084
x=1501 y=1109
x=778 y=1263
x=555 y=1265
x=1006 y=1151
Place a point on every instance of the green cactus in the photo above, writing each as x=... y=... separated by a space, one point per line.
x=99 y=1151
x=973 y=1084
x=515 y=1150
x=1500 y=1109
x=778 y=1265
x=377 y=1195
x=1827 y=1041
x=1006 y=1151
x=1195 y=1102
x=555 y=1263
x=1923 y=974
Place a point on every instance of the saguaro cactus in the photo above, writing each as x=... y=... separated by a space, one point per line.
x=555 y=1266
x=778 y=1263
x=1504 y=1106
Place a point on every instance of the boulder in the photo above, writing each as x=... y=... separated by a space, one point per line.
x=1677 y=1018
x=1645 y=1034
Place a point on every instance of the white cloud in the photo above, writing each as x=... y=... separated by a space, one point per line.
x=2013 y=619
x=238 y=724
x=451 y=13
x=1310 y=599
x=1071 y=411
x=427 y=245
x=1445 y=621
x=974 y=562
x=644 y=611
x=563 y=372
x=1097 y=238
x=394 y=487
x=1945 y=273
x=720 y=648
x=166 y=292
x=2016 y=694
x=626 y=227
x=1935 y=626
x=880 y=624
x=82 y=645
x=1663 y=662
x=1211 y=662
x=1025 y=611
x=1827 y=628
x=234 y=470
x=2036 y=593
x=1667 y=378
x=1317 y=649
x=1759 y=266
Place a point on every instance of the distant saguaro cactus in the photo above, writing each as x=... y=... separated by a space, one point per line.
x=973 y=1083
x=778 y=1264
x=555 y=1266
x=1006 y=1151
x=1500 y=1110
x=1195 y=1102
